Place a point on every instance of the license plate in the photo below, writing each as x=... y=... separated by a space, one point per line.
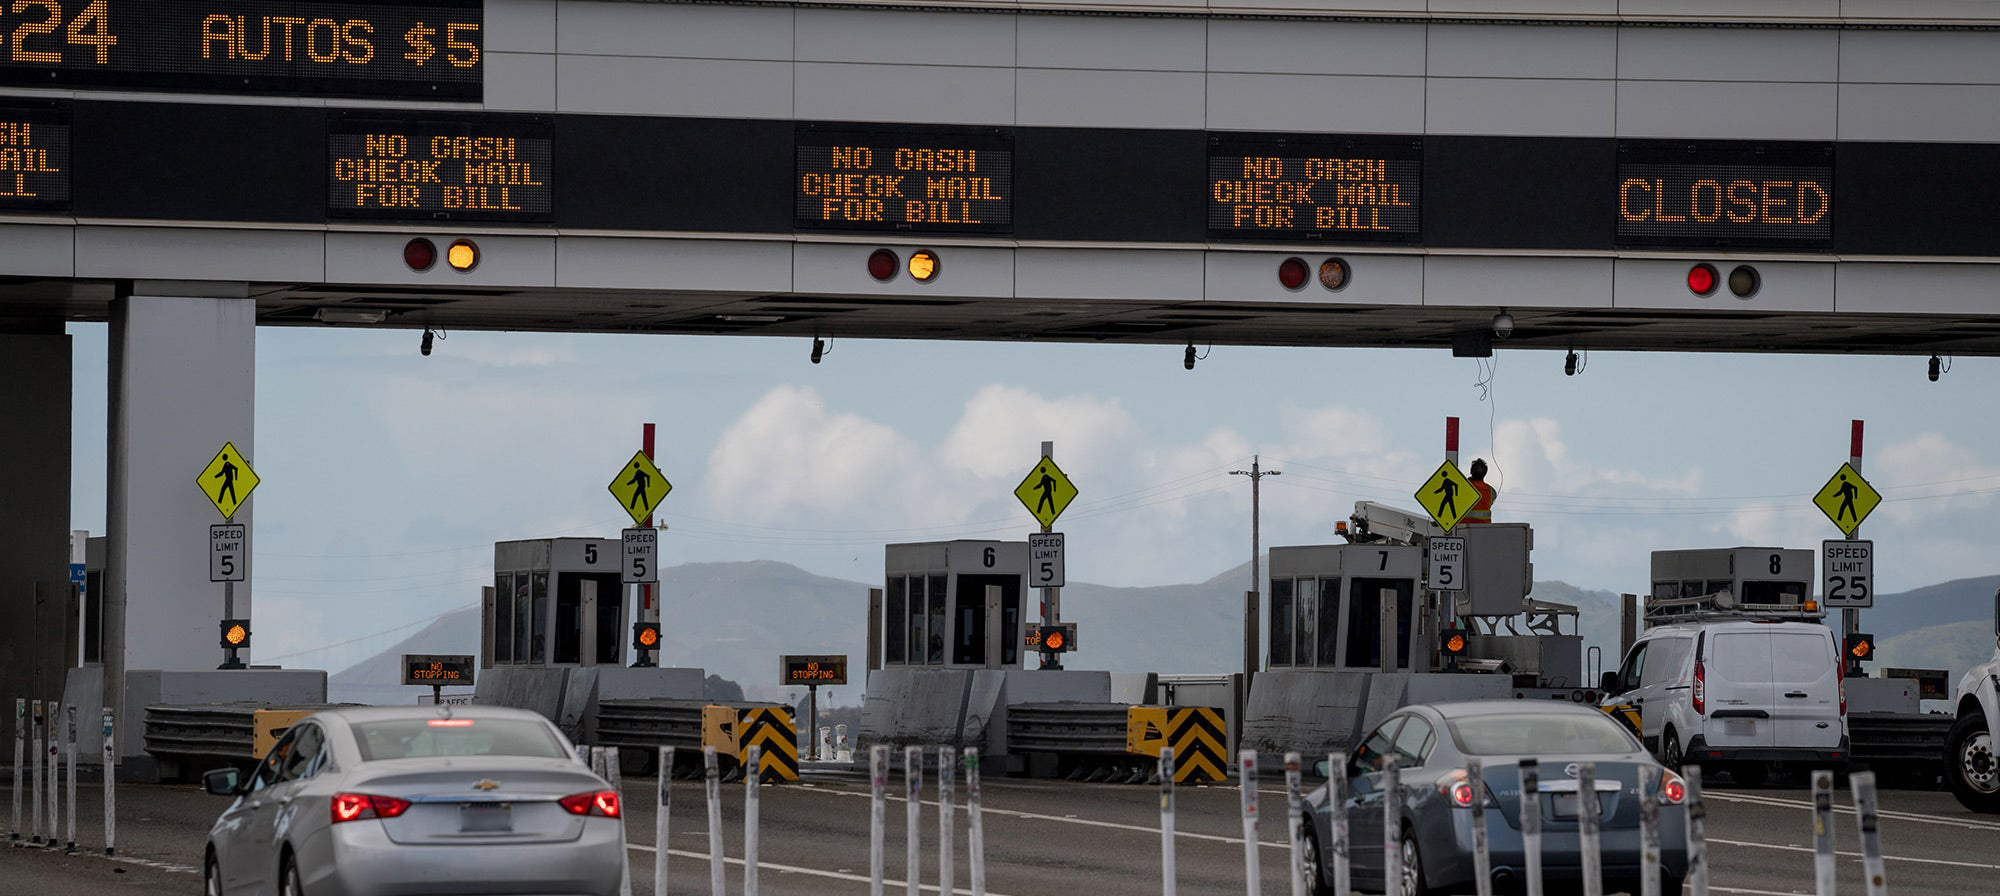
x=1739 y=727
x=1565 y=805
x=479 y=818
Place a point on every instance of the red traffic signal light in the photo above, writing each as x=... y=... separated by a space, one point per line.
x=1701 y=279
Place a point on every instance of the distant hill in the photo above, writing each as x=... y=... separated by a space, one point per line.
x=736 y=619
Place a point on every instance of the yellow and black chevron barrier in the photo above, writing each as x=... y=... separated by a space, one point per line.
x=772 y=730
x=732 y=731
x=1197 y=734
x=1627 y=713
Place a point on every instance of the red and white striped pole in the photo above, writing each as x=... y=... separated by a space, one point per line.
x=1850 y=617
x=1451 y=440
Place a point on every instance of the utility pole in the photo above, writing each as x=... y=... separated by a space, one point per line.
x=1256 y=474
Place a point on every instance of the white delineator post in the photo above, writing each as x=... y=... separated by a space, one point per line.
x=1697 y=832
x=975 y=831
x=1292 y=827
x=712 y=776
x=1822 y=809
x=55 y=772
x=35 y=774
x=1531 y=823
x=110 y=788
x=1336 y=807
x=1168 y=885
x=20 y=755
x=913 y=815
x=947 y=765
x=1588 y=816
x=1873 y=876
x=1392 y=825
x=753 y=759
x=1246 y=781
x=660 y=824
x=70 y=842
x=1649 y=831
x=878 y=811
x=1482 y=851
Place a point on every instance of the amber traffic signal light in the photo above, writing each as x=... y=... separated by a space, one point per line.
x=1860 y=647
x=235 y=633
x=1453 y=642
x=646 y=635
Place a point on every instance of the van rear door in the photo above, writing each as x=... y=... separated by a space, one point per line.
x=1806 y=710
x=1739 y=693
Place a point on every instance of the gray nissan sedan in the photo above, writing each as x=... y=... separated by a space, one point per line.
x=1431 y=743
x=416 y=800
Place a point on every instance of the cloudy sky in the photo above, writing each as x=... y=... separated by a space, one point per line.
x=388 y=476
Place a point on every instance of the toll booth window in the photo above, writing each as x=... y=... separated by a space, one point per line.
x=1364 y=622
x=1305 y=604
x=893 y=610
x=503 y=618
x=935 y=638
x=93 y=617
x=1010 y=627
x=569 y=619
x=1666 y=590
x=914 y=623
x=1281 y=622
x=524 y=608
x=611 y=620
x=968 y=644
x=1329 y=622
x=1786 y=593
x=538 y=645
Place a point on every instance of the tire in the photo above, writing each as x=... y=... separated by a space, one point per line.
x=1413 y=868
x=211 y=877
x=1670 y=750
x=1970 y=767
x=1316 y=869
x=288 y=878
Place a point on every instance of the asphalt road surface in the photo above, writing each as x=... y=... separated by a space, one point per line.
x=1042 y=837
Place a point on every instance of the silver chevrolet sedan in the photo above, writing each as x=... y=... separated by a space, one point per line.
x=384 y=801
x=1431 y=744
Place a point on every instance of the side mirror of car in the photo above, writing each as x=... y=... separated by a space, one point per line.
x=1609 y=684
x=221 y=782
x=1323 y=768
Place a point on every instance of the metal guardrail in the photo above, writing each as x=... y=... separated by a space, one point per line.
x=658 y=722
x=213 y=730
x=1897 y=737
x=1094 y=729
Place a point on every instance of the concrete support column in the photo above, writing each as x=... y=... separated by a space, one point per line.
x=183 y=366
x=34 y=528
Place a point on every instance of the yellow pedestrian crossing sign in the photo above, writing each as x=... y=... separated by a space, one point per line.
x=639 y=487
x=1046 y=492
x=1847 y=499
x=1447 y=496
x=228 y=480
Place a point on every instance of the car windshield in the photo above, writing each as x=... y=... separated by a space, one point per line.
x=409 y=738
x=1534 y=734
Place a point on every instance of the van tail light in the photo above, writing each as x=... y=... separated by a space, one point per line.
x=602 y=803
x=1672 y=789
x=356 y=806
x=1840 y=679
x=1699 y=696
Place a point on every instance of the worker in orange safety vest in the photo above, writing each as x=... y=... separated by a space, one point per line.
x=1482 y=509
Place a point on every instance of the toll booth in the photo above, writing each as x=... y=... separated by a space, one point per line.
x=935 y=608
x=556 y=602
x=1331 y=603
x=1747 y=579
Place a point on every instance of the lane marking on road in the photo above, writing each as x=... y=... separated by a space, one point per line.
x=1854 y=855
x=1897 y=814
x=149 y=863
x=887 y=882
x=1087 y=822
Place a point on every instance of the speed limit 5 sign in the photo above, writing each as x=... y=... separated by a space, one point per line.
x=1847 y=569
x=1045 y=560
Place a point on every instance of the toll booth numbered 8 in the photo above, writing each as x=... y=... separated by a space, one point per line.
x=936 y=611
x=556 y=602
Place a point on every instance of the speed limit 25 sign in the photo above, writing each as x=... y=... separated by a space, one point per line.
x=1847 y=569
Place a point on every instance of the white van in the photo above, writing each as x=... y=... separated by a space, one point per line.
x=1737 y=694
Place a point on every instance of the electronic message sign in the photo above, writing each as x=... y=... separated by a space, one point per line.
x=490 y=168
x=1315 y=188
x=437 y=670
x=1725 y=194
x=924 y=181
x=813 y=670
x=34 y=156
x=424 y=50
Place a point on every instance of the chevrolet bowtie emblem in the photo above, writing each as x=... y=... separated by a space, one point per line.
x=486 y=785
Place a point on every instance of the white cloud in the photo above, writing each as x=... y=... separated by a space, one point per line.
x=789 y=453
x=1002 y=428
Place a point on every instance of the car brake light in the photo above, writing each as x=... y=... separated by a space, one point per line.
x=1672 y=791
x=356 y=806
x=449 y=723
x=602 y=802
x=1457 y=787
x=1840 y=679
x=1699 y=696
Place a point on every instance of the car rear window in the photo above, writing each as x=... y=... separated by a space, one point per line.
x=1800 y=658
x=411 y=738
x=1535 y=733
